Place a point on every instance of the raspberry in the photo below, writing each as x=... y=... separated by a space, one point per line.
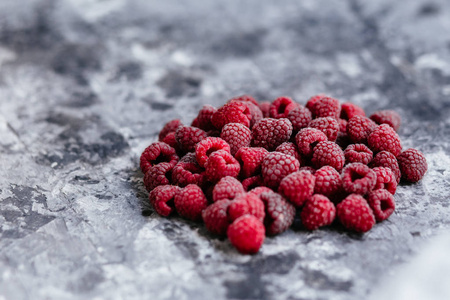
x=388 y=160
x=299 y=117
x=227 y=189
x=328 y=154
x=359 y=129
x=157 y=153
x=358 y=153
x=216 y=218
x=170 y=126
x=382 y=204
x=311 y=101
x=162 y=197
x=358 y=178
x=237 y=136
x=234 y=112
x=221 y=164
x=355 y=213
x=328 y=125
x=244 y=98
x=259 y=190
x=246 y=234
x=188 y=171
x=389 y=117
x=203 y=119
x=328 y=181
x=190 y=202
x=290 y=149
x=413 y=165
x=384 y=138
x=307 y=138
x=270 y=133
x=252 y=182
x=207 y=146
x=326 y=107
x=250 y=160
x=349 y=110
x=308 y=169
x=170 y=140
x=385 y=180
x=187 y=137
x=159 y=174
x=255 y=111
x=265 y=107
x=246 y=204
x=275 y=166
x=317 y=212
x=281 y=107
x=279 y=213
x=342 y=128
x=297 y=187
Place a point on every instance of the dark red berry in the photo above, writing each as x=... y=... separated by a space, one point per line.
x=328 y=125
x=413 y=165
x=382 y=204
x=384 y=138
x=359 y=128
x=188 y=171
x=265 y=108
x=246 y=234
x=187 y=137
x=227 y=189
x=358 y=153
x=157 y=153
x=215 y=217
x=318 y=211
x=389 y=117
x=269 y=133
x=162 y=197
x=349 y=110
x=260 y=189
x=279 y=213
x=159 y=174
x=221 y=164
x=311 y=101
x=326 y=107
x=355 y=213
x=297 y=187
x=246 y=204
x=307 y=138
x=252 y=182
x=388 y=160
x=328 y=181
x=275 y=166
x=299 y=117
x=281 y=107
x=358 y=178
x=328 y=154
x=385 y=179
x=237 y=136
x=207 y=146
x=169 y=127
x=233 y=112
x=190 y=202
x=250 y=160
x=290 y=149
x=203 y=119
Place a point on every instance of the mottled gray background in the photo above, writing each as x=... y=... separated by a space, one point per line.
x=85 y=85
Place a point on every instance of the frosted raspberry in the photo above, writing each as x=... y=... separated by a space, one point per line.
x=342 y=128
x=299 y=117
x=169 y=127
x=328 y=181
x=311 y=101
x=252 y=182
x=246 y=234
x=359 y=128
x=279 y=213
x=221 y=164
x=203 y=119
x=297 y=187
x=281 y=107
x=157 y=153
x=389 y=117
x=355 y=213
x=234 y=112
x=161 y=198
x=227 y=188
x=187 y=137
x=188 y=171
x=328 y=125
x=275 y=166
x=349 y=110
x=382 y=204
x=237 y=136
x=255 y=112
x=384 y=138
x=318 y=211
x=259 y=190
x=308 y=169
x=246 y=204
x=170 y=140
x=388 y=160
x=326 y=107
x=270 y=133
x=328 y=154
x=207 y=146
x=159 y=174
x=265 y=107
x=290 y=149
x=385 y=180
x=358 y=153
x=250 y=160
x=307 y=138
x=216 y=218
x=244 y=98
x=190 y=202
x=358 y=178
x=413 y=165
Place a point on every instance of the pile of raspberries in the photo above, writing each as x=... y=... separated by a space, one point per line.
x=248 y=169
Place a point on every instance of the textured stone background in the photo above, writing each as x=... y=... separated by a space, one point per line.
x=85 y=85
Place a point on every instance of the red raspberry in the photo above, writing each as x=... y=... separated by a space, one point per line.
x=207 y=146
x=203 y=119
x=161 y=198
x=358 y=178
x=170 y=126
x=388 y=160
x=190 y=202
x=265 y=107
x=358 y=153
x=299 y=117
x=349 y=110
x=270 y=133
x=290 y=149
x=279 y=213
x=187 y=137
x=307 y=138
x=170 y=140
x=311 y=101
x=384 y=138
x=246 y=204
x=389 y=117
x=326 y=107
x=385 y=180
x=308 y=169
x=342 y=128
x=244 y=98
x=297 y=187
x=252 y=182
x=355 y=213
x=328 y=154
x=328 y=125
x=254 y=110
x=281 y=107
x=250 y=160
x=317 y=212
x=216 y=218
x=159 y=174
x=221 y=164
x=227 y=188
x=237 y=136
x=328 y=181
x=188 y=171
x=246 y=234
x=157 y=153
x=359 y=129
x=382 y=204
x=413 y=164
x=234 y=112
x=275 y=166
x=260 y=189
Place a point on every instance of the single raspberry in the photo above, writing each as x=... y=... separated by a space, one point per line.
x=265 y=108
x=244 y=98
x=349 y=110
x=355 y=213
x=388 y=160
x=359 y=128
x=279 y=213
x=250 y=159
x=311 y=101
x=358 y=178
x=385 y=179
x=382 y=204
x=389 y=117
x=237 y=136
x=157 y=153
x=259 y=190
x=326 y=107
x=227 y=188
x=207 y=146
x=297 y=187
x=221 y=164
x=170 y=140
x=281 y=107
x=328 y=154
x=255 y=111
x=328 y=181
x=215 y=217
x=203 y=119
x=328 y=125
x=234 y=112
x=299 y=117
x=190 y=202
x=309 y=169
x=246 y=234
x=162 y=197
x=246 y=204
x=358 y=153
x=188 y=171
x=413 y=164
x=187 y=137
x=270 y=133
x=169 y=127
x=159 y=174
x=384 y=138
x=318 y=211
x=290 y=149
x=252 y=182
x=307 y=138
x=275 y=166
